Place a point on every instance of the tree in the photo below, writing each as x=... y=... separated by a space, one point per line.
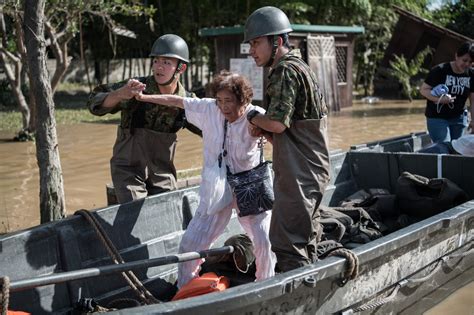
x=39 y=25
x=52 y=202
x=457 y=16
x=405 y=71
x=62 y=23
x=379 y=25
x=12 y=58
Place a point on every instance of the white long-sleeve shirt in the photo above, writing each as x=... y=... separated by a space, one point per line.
x=243 y=152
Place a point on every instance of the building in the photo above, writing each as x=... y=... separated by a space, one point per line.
x=329 y=50
x=411 y=35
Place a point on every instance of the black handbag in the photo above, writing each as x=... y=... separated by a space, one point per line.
x=253 y=189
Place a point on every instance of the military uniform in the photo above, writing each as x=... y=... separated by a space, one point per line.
x=300 y=160
x=142 y=161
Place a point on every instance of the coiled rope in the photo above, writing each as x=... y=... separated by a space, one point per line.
x=352 y=263
x=137 y=286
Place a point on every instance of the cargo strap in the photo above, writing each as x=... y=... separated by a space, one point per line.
x=5 y=294
x=377 y=302
x=143 y=294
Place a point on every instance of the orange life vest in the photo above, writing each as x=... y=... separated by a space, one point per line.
x=207 y=283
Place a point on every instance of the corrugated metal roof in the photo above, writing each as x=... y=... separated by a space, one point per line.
x=302 y=28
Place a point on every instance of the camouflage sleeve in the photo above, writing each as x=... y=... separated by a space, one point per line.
x=98 y=95
x=282 y=91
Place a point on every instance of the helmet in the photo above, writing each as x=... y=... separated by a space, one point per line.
x=464 y=145
x=266 y=21
x=170 y=45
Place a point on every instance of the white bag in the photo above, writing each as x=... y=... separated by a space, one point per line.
x=215 y=191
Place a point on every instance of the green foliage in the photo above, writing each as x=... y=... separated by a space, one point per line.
x=342 y=12
x=370 y=47
x=405 y=71
x=379 y=25
x=457 y=16
x=298 y=12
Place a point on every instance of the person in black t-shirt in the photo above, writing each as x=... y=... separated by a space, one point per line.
x=446 y=88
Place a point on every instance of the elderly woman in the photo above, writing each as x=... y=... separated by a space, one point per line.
x=223 y=117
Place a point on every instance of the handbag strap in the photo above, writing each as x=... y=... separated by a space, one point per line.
x=224 y=151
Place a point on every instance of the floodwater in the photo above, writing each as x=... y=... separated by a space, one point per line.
x=86 y=148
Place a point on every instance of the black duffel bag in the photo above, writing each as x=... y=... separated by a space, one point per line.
x=421 y=197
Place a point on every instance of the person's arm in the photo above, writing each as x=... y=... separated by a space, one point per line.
x=106 y=98
x=162 y=99
x=264 y=122
x=282 y=89
x=471 y=123
x=255 y=131
x=126 y=92
x=425 y=90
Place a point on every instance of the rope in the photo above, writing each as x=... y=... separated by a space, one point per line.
x=353 y=263
x=5 y=294
x=129 y=276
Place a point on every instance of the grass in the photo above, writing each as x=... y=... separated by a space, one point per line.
x=12 y=121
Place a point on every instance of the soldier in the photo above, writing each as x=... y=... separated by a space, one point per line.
x=142 y=160
x=296 y=119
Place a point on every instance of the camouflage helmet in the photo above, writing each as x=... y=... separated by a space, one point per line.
x=170 y=45
x=266 y=21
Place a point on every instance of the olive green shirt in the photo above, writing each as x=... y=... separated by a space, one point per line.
x=293 y=92
x=136 y=114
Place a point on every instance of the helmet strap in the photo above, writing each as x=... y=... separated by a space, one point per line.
x=274 y=49
x=175 y=74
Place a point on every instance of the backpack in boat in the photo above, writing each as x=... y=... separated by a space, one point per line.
x=207 y=283
x=422 y=197
x=239 y=267
x=241 y=259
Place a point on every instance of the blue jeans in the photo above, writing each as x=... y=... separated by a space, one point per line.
x=437 y=148
x=445 y=130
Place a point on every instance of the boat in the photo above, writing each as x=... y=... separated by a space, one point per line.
x=398 y=273
x=412 y=142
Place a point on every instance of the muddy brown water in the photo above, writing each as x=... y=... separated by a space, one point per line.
x=86 y=148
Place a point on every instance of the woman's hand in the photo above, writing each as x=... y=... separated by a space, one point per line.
x=126 y=92
x=268 y=136
x=446 y=99
x=255 y=131
x=131 y=89
x=142 y=97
